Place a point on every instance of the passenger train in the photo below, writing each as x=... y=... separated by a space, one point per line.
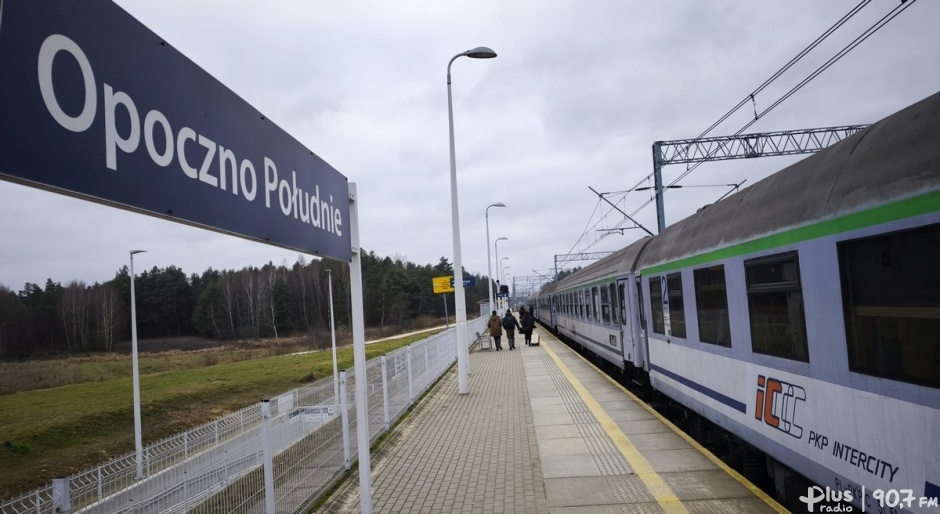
x=800 y=315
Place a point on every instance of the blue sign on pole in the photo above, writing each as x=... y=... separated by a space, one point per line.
x=470 y=281
x=96 y=106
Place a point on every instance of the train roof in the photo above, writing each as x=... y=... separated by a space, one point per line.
x=895 y=158
x=548 y=289
x=618 y=263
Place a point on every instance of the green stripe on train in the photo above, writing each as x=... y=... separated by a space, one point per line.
x=916 y=206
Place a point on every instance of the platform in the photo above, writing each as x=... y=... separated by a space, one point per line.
x=544 y=431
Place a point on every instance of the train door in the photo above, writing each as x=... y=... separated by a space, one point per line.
x=626 y=336
x=630 y=321
x=643 y=348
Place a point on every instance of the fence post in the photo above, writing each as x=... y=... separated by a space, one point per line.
x=411 y=389
x=427 y=372
x=61 y=497
x=385 y=392
x=268 y=454
x=100 y=485
x=344 y=409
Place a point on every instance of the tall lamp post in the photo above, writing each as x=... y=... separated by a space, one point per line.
x=501 y=271
x=498 y=278
x=504 y=281
x=460 y=300
x=138 y=436
x=489 y=265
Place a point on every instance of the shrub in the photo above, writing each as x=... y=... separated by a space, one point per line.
x=20 y=449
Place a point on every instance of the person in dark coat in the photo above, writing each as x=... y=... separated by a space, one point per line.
x=528 y=325
x=510 y=324
x=496 y=330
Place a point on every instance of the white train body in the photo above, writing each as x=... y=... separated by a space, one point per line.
x=801 y=315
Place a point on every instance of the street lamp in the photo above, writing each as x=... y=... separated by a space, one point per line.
x=138 y=436
x=460 y=301
x=499 y=280
x=489 y=265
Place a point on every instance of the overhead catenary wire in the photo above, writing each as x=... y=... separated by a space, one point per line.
x=751 y=97
x=904 y=4
x=832 y=60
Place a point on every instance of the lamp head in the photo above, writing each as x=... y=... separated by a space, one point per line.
x=481 y=52
x=498 y=205
x=137 y=251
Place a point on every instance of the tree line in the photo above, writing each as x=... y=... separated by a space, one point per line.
x=270 y=301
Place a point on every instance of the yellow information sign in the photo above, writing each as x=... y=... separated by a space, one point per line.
x=442 y=285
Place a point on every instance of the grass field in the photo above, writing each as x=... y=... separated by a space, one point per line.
x=58 y=431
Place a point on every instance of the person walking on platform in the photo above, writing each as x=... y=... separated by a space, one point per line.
x=496 y=330
x=510 y=324
x=528 y=324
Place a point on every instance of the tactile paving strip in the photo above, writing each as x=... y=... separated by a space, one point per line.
x=606 y=456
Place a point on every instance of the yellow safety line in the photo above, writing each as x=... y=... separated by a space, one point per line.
x=711 y=456
x=653 y=482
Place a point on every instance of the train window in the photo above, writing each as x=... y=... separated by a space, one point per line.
x=656 y=305
x=605 y=304
x=676 y=306
x=711 y=304
x=585 y=301
x=595 y=304
x=613 y=304
x=623 y=302
x=891 y=300
x=775 y=304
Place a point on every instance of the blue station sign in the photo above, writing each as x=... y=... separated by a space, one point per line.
x=96 y=106
x=470 y=281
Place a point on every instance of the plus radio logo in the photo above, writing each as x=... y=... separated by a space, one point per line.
x=776 y=404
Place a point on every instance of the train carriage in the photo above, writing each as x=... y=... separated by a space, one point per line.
x=595 y=306
x=801 y=314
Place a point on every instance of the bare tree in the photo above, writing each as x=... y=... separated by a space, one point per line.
x=228 y=298
x=107 y=313
x=271 y=276
x=299 y=278
x=74 y=308
x=254 y=298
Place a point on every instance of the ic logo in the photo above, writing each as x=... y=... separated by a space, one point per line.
x=776 y=403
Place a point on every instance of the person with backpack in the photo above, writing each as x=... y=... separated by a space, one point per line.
x=510 y=324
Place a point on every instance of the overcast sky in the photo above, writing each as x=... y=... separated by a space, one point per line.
x=579 y=92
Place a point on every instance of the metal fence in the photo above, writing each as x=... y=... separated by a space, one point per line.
x=307 y=435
